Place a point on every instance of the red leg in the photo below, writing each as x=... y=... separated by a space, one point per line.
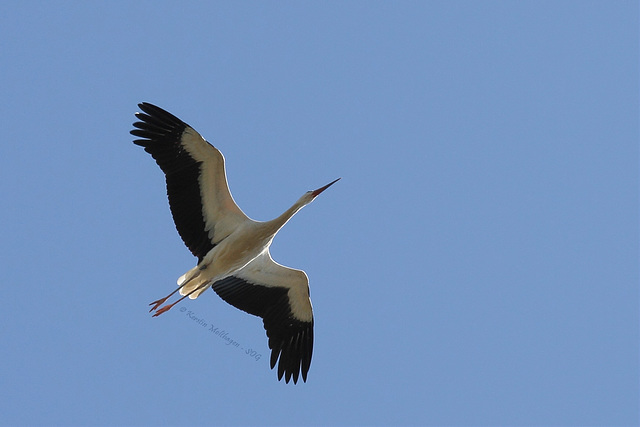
x=168 y=307
x=165 y=308
x=158 y=303
x=161 y=301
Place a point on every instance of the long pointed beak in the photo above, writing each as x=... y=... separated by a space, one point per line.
x=321 y=189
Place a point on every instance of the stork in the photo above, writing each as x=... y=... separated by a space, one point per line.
x=232 y=249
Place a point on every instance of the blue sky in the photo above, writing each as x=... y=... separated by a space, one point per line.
x=476 y=265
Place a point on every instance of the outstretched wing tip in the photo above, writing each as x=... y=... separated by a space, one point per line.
x=292 y=353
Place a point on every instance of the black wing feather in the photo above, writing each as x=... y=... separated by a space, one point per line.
x=162 y=133
x=290 y=340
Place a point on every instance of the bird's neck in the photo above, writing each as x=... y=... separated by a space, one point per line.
x=276 y=224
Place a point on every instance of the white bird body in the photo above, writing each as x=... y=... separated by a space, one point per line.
x=249 y=240
x=232 y=249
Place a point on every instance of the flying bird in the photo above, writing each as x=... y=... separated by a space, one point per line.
x=232 y=249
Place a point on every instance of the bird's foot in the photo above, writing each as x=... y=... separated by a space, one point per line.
x=163 y=309
x=157 y=303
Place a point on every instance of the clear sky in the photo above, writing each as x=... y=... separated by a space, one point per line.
x=476 y=265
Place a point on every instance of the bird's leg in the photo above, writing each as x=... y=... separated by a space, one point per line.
x=168 y=307
x=161 y=301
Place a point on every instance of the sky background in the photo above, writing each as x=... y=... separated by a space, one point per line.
x=476 y=265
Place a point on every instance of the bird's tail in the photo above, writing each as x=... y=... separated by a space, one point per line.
x=193 y=283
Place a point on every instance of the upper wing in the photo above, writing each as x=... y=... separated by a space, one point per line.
x=202 y=207
x=280 y=295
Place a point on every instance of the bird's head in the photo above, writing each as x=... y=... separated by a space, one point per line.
x=309 y=196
